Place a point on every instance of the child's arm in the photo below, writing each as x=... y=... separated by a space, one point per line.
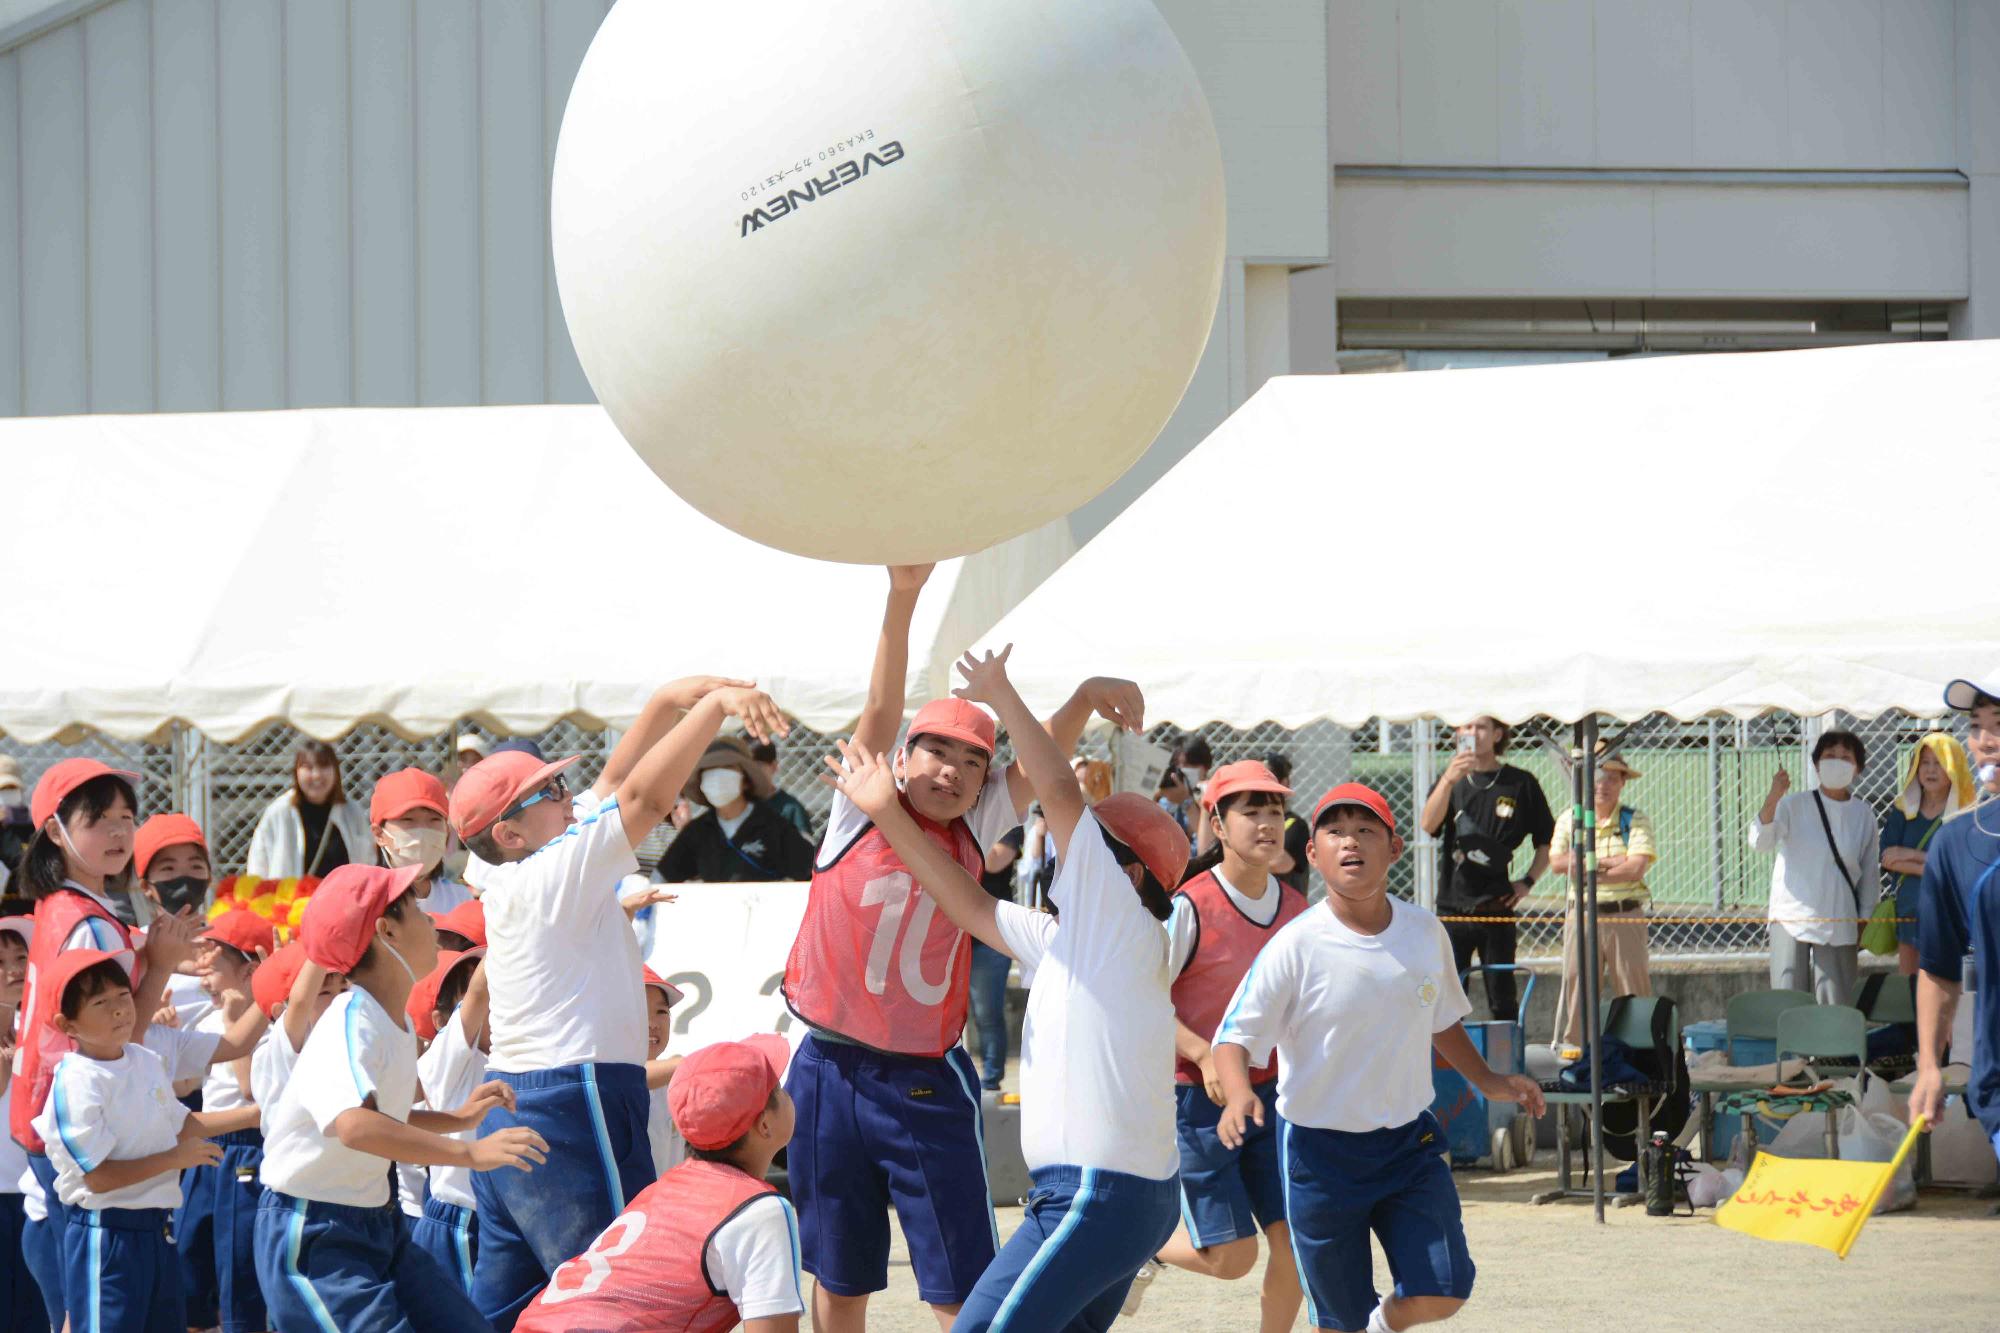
x=655 y=720
x=888 y=680
x=1240 y=1102
x=369 y=1131
x=484 y=1098
x=212 y=1124
x=1462 y=1055
x=777 y=1323
x=868 y=781
x=169 y=943
x=192 y=1150
x=245 y=1027
x=650 y=790
x=472 y=1010
x=1042 y=760
x=660 y=1072
x=296 y=1025
x=1191 y=1046
x=1118 y=702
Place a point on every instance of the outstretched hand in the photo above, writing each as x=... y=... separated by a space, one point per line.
x=865 y=779
x=759 y=713
x=1118 y=702
x=690 y=690
x=985 y=676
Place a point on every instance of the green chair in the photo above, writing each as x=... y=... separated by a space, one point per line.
x=1894 y=1000
x=1634 y=1027
x=1751 y=1016
x=1825 y=1034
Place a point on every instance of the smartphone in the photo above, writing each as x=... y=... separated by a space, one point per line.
x=1466 y=744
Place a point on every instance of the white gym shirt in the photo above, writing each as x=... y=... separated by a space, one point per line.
x=101 y=1111
x=1097 y=1049
x=356 y=1051
x=1351 y=1017
x=450 y=1068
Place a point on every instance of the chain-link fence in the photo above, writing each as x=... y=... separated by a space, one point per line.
x=1701 y=783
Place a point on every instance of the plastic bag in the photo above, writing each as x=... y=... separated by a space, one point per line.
x=1863 y=1138
x=1960 y=1150
x=1707 y=1187
x=1876 y=1099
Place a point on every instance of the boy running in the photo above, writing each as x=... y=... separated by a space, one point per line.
x=1097 y=1111
x=888 y=1102
x=1353 y=996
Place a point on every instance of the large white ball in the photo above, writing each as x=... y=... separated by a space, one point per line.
x=888 y=280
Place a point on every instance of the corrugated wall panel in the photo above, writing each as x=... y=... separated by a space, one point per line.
x=118 y=70
x=250 y=125
x=567 y=30
x=513 y=200
x=187 y=254
x=319 y=285
x=385 y=204
x=448 y=225
x=10 y=236
x=54 y=288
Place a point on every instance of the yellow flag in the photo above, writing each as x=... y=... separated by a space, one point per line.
x=1811 y=1201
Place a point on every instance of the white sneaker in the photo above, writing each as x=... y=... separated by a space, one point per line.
x=1140 y=1281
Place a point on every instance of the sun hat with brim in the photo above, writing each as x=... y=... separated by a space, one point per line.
x=1613 y=763
x=729 y=752
x=10 y=772
x=490 y=788
x=1961 y=695
x=1241 y=776
x=61 y=779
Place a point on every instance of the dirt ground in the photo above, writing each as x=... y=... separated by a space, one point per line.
x=1553 y=1268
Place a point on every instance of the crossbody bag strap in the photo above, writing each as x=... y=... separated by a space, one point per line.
x=1819 y=804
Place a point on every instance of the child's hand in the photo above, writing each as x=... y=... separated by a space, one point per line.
x=192 y=1150
x=494 y=1092
x=167 y=1016
x=234 y=1004
x=1519 y=1088
x=1211 y=1080
x=1236 y=1118
x=170 y=941
x=1118 y=702
x=909 y=578
x=985 y=677
x=863 y=778
x=520 y=1148
x=691 y=690
x=638 y=900
x=761 y=717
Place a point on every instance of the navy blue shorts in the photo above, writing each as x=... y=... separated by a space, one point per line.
x=330 y=1268
x=1069 y=1264
x=1393 y=1182
x=122 y=1273
x=21 y=1307
x=533 y=1222
x=42 y=1242
x=234 y=1194
x=877 y=1130
x=448 y=1234
x=194 y=1244
x=1227 y=1193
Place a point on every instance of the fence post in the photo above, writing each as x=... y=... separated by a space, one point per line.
x=1715 y=808
x=1421 y=778
x=190 y=784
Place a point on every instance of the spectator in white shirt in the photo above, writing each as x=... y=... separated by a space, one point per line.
x=1828 y=874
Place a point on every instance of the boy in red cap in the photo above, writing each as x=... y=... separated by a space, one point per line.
x=449 y=1009
x=889 y=1100
x=1229 y=910
x=332 y=1251
x=170 y=861
x=1097 y=1115
x=1354 y=997
x=463 y=927
x=569 y=1022
x=710 y=1244
x=407 y=813
x=119 y=1140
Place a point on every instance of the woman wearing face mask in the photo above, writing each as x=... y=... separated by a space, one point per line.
x=737 y=836
x=406 y=816
x=1828 y=874
x=1939 y=785
x=312 y=828
x=15 y=826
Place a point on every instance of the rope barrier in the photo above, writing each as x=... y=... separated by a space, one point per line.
x=1689 y=920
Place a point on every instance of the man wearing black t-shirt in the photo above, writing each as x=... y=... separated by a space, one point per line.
x=1482 y=811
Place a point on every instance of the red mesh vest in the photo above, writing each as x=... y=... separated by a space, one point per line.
x=644 y=1272
x=41 y=1046
x=1227 y=944
x=875 y=961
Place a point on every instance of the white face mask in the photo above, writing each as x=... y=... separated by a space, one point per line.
x=13 y=796
x=415 y=847
x=721 y=786
x=1836 y=774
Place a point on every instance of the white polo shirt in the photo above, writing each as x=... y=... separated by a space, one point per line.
x=102 y=1111
x=221 y=1090
x=1351 y=1017
x=669 y=1148
x=1097 y=1050
x=561 y=959
x=271 y=1066
x=357 y=1051
x=754 y=1256
x=450 y=1068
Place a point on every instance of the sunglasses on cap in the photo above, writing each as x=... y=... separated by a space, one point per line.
x=556 y=789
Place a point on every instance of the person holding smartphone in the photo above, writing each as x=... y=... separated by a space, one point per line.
x=1482 y=810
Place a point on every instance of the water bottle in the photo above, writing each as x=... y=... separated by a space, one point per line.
x=1659 y=1176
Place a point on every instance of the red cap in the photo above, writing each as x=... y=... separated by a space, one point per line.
x=1243 y=775
x=720 y=1090
x=271 y=984
x=652 y=978
x=70 y=962
x=24 y=926
x=243 y=930
x=405 y=790
x=64 y=778
x=467 y=919
x=161 y=832
x=1354 y=793
x=1154 y=836
x=339 y=921
x=424 y=995
x=955 y=719
x=494 y=783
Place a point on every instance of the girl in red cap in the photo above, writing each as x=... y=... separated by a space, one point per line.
x=84 y=814
x=1097 y=1117
x=882 y=979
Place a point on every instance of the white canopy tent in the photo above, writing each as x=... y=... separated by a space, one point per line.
x=409 y=567
x=1692 y=535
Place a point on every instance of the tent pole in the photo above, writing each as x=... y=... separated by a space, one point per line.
x=1593 y=1023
